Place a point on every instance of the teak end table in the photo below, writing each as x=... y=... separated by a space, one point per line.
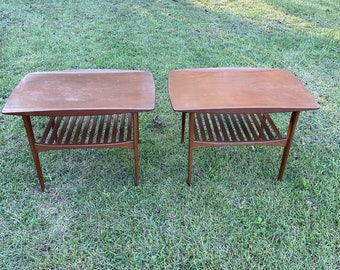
x=232 y=106
x=86 y=109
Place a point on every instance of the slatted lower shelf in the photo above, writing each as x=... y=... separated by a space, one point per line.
x=236 y=129
x=87 y=131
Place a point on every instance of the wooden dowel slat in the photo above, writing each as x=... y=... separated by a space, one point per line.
x=107 y=128
x=215 y=126
x=265 y=126
x=78 y=130
x=114 y=128
x=223 y=127
x=85 y=130
x=251 y=127
x=201 y=127
x=258 y=127
x=230 y=128
x=208 y=127
x=93 y=129
x=63 y=130
x=100 y=128
x=47 y=130
x=237 y=128
x=244 y=126
x=274 y=127
x=70 y=130
x=54 y=133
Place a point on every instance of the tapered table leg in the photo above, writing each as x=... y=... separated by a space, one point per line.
x=135 y=144
x=35 y=153
x=183 y=126
x=191 y=142
x=290 y=135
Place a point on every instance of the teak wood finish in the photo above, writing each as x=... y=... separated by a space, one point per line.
x=233 y=106
x=86 y=109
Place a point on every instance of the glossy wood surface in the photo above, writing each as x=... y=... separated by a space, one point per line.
x=238 y=90
x=82 y=93
x=86 y=109
x=231 y=106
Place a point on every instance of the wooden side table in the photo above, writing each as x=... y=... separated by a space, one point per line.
x=233 y=106
x=86 y=109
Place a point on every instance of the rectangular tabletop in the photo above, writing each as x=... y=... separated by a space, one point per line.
x=238 y=90
x=82 y=93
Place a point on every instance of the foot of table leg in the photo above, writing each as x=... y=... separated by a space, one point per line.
x=35 y=154
x=290 y=136
x=135 y=145
x=191 y=140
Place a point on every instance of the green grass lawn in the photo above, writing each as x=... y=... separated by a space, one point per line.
x=234 y=215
